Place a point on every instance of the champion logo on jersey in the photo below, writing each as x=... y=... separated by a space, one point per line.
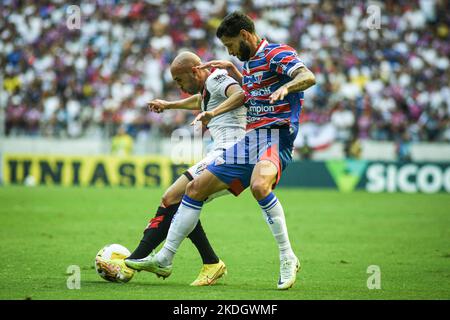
x=219 y=161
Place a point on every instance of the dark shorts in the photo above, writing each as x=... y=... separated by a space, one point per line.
x=236 y=164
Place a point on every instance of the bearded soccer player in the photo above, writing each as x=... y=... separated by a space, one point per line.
x=209 y=90
x=273 y=80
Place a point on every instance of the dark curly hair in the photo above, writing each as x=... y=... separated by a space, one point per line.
x=233 y=23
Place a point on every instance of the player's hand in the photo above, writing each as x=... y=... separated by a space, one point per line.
x=205 y=117
x=279 y=94
x=220 y=64
x=157 y=105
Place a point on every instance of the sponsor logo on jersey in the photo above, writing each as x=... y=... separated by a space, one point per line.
x=252 y=119
x=260 y=92
x=220 y=78
x=254 y=78
x=258 y=76
x=261 y=109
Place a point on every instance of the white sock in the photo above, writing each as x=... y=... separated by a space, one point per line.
x=274 y=215
x=183 y=222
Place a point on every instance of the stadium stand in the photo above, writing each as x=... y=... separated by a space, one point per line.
x=386 y=84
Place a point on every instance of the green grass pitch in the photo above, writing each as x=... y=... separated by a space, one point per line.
x=337 y=236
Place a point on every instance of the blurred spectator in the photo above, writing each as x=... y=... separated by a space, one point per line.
x=71 y=83
x=343 y=119
x=403 y=148
x=122 y=143
x=352 y=147
x=305 y=151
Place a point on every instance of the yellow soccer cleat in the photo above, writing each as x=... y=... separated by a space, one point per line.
x=210 y=273
x=113 y=270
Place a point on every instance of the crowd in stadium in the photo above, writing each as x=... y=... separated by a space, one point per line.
x=385 y=83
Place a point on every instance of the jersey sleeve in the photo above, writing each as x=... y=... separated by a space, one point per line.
x=284 y=60
x=219 y=82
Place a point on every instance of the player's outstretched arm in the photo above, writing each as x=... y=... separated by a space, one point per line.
x=303 y=78
x=223 y=64
x=235 y=99
x=190 y=103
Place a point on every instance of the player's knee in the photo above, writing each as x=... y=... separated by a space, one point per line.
x=194 y=191
x=169 y=199
x=260 y=188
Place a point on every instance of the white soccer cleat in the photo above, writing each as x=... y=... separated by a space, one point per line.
x=289 y=267
x=150 y=264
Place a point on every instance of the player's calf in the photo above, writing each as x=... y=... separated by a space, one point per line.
x=175 y=192
x=170 y=198
x=155 y=232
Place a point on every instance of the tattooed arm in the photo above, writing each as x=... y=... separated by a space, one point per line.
x=303 y=78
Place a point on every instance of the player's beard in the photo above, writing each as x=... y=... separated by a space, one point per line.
x=244 y=51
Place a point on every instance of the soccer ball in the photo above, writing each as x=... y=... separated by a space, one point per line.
x=110 y=266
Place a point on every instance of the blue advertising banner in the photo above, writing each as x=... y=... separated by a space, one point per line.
x=349 y=175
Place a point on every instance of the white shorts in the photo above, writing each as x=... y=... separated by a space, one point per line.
x=200 y=166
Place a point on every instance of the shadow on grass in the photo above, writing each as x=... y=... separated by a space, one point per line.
x=183 y=287
x=136 y=284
